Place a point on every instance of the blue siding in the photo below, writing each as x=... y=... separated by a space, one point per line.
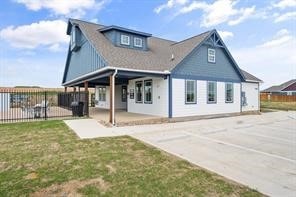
x=115 y=37
x=83 y=61
x=196 y=66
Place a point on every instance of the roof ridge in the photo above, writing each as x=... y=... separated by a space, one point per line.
x=86 y=21
x=193 y=37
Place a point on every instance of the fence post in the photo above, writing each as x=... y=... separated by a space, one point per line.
x=45 y=105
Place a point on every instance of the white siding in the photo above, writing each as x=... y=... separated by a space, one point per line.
x=4 y=102
x=106 y=105
x=252 y=95
x=159 y=106
x=202 y=107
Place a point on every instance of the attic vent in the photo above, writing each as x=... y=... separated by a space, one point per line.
x=173 y=57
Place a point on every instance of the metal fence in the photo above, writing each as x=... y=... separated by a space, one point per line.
x=39 y=105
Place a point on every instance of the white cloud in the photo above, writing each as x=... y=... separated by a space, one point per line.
x=75 y=8
x=225 y=34
x=44 y=33
x=272 y=61
x=285 y=17
x=169 y=4
x=283 y=36
x=220 y=11
x=246 y=13
x=282 y=4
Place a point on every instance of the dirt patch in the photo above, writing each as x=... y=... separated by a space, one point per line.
x=31 y=176
x=111 y=168
x=70 y=188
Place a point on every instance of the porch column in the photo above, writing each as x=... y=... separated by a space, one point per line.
x=111 y=110
x=86 y=97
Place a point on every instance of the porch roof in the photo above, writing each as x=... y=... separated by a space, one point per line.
x=101 y=76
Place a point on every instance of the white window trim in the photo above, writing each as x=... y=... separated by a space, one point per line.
x=215 y=92
x=135 y=42
x=136 y=93
x=232 y=93
x=211 y=55
x=122 y=39
x=195 y=92
x=145 y=99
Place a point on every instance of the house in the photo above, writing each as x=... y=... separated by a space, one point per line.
x=140 y=73
x=286 y=88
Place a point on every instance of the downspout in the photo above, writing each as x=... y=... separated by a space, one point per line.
x=113 y=94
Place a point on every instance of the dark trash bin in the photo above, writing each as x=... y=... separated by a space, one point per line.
x=77 y=108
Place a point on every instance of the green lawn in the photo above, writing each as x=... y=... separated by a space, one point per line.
x=278 y=105
x=46 y=158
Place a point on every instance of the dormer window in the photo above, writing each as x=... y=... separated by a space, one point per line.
x=125 y=40
x=73 y=37
x=211 y=55
x=138 y=42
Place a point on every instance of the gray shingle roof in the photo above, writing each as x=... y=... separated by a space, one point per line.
x=157 y=58
x=250 y=77
x=279 y=87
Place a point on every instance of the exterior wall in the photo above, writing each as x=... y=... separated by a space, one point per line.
x=180 y=108
x=196 y=64
x=252 y=95
x=83 y=61
x=159 y=106
x=4 y=102
x=115 y=37
x=106 y=104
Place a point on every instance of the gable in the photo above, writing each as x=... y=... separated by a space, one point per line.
x=83 y=60
x=196 y=64
x=291 y=87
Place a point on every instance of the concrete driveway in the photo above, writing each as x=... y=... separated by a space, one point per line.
x=257 y=150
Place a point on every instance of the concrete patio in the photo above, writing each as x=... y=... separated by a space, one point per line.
x=124 y=118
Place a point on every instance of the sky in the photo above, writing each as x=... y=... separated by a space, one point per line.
x=260 y=34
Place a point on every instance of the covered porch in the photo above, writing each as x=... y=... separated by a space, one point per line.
x=112 y=78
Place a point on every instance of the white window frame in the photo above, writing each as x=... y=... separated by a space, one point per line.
x=123 y=41
x=145 y=91
x=138 y=39
x=214 y=92
x=141 y=91
x=232 y=93
x=211 y=55
x=102 y=94
x=194 y=92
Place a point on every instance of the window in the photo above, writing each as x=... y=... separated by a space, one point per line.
x=139 y=92
x=211 y=55
x=125 y=40
x=228 y=92
x=138 y=42
x=212 y=92
x=244 y=99
x=102 y=94
x=148 y=91
x=123 y=93
x=190 y=91
x=73 y=37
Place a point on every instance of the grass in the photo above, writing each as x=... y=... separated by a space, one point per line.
x=278 y=105
x=46 y=158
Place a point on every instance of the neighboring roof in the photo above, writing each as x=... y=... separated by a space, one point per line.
x=108 y=28
x=250 y=77
x=280 y=87
x=157 y=58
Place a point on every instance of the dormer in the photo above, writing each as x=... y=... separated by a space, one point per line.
x=75 y=37
x=127 y=38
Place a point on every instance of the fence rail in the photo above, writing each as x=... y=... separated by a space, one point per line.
x=37 y=105
x=277 y=98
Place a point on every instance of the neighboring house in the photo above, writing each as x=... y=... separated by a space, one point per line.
x=150 y=75
x=287 y=88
